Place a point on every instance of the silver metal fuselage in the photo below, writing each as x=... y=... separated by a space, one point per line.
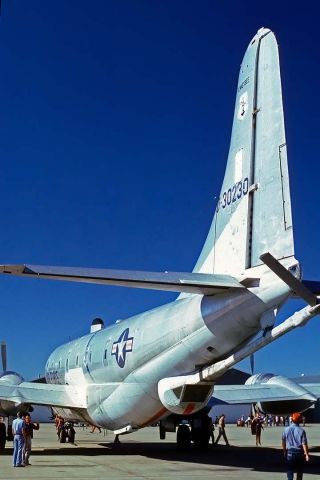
x=167 y=360
x=174 y=339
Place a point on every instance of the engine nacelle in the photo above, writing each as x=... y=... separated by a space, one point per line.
x=296 y=398
x=181 y=396
x=11 y=378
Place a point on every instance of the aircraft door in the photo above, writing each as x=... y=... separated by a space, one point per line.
x=88 y=358
x=94 y=356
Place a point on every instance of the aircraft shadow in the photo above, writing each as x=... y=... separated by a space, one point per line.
x=260 y=459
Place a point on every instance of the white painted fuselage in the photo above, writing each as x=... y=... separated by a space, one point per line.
x=119 y=374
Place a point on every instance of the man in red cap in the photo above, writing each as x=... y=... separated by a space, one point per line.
x=295 y=447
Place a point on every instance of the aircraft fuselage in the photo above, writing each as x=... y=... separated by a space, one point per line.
x=120 y=366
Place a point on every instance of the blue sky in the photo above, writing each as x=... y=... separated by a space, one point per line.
x=115 y=125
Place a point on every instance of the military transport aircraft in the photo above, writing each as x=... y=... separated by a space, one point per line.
x=163 y=364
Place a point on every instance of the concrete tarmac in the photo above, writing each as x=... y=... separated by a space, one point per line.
x=142 y=455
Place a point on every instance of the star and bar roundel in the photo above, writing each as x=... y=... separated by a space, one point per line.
x=121 y=347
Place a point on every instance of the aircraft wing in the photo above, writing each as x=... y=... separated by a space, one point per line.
x=236 y=394
x=314 y=388
x=67 y=396
x=201 y=283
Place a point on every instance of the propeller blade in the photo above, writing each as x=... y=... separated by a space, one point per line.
x=252 y=363
x=4 y=356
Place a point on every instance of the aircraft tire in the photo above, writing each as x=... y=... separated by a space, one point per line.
x=71 y=436
x=201 y=441
x=3 y=436
x=63 y=436
x=183 y=437
x=162 y=432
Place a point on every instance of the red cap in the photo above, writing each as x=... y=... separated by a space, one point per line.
x=296 y=417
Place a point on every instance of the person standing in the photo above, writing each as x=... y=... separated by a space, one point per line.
x=248 y=421
x=222 y=431
x=295 y=447
x=210 y=426
x=256 y=427
x=29 y=427
x=3 y=434
x=59 y=421
x=18 y=431
x=94 y=428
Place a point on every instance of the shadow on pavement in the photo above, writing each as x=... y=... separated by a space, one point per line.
x=261 y=459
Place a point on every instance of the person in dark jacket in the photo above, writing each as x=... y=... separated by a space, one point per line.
x=28 y=436
x=3 y=434
x=257 y=427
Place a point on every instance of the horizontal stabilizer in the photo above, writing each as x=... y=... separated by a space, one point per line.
x=201 y=283
x=65 y=396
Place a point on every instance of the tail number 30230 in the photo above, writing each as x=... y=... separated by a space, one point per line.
x=234 y=193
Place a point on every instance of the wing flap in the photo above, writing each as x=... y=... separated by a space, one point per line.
x=67 y=396
x=200 y=283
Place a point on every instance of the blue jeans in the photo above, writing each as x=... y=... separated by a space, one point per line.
x=295 y=463
x=18 y=444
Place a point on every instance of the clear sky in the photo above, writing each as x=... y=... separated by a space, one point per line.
x=115 y=124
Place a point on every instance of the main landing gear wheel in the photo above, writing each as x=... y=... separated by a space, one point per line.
x=183 y=437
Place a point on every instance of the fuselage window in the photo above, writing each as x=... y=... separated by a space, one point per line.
x=105 y=354
x=90 y=357
x=77 y=360
x=67 y=364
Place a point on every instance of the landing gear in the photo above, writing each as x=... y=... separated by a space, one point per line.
x=3 y=435
x=194 y=430
x=201 y=431
x=67 y=433
x=183 y=437
x=62 y=435
x=200 y=438
x=9 y=429
x=162 y=432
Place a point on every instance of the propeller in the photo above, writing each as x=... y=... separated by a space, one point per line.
x=4 y=356
x=252 y=363
x=253 y=406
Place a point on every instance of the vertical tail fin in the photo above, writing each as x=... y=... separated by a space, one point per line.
x=253 y=214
